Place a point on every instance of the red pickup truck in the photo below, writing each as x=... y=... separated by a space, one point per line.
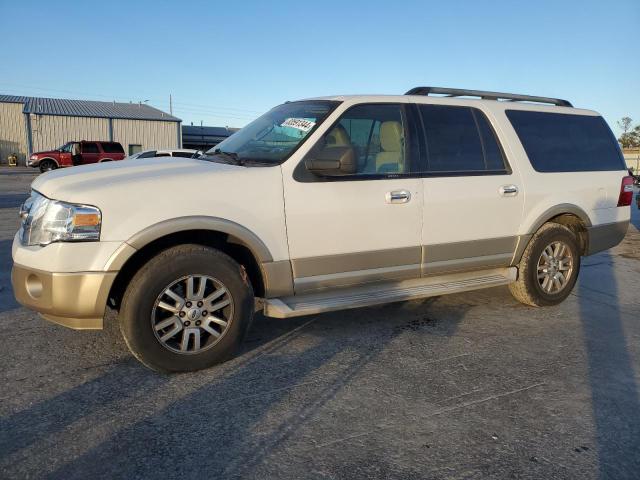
x=76 y=153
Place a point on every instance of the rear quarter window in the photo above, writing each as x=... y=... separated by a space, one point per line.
x=112 y=147
x=557 y=142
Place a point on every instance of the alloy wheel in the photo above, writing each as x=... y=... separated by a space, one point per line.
x=555 y=267
x=192 y=314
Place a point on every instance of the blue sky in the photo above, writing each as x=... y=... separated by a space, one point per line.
x=226 y=62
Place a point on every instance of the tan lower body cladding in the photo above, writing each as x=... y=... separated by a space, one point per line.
x=343 y=270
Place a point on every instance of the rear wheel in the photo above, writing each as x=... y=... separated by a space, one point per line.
x=47 y=165
x=187 y=309
x=549 y=267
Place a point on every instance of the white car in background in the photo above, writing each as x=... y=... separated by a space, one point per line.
x=182 y=152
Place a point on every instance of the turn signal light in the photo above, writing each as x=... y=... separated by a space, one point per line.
x=89 y=219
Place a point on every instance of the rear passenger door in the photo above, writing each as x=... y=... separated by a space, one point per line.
x=90 y=152
x=472 y=199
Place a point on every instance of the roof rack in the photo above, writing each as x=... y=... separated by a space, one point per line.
x=511 y=97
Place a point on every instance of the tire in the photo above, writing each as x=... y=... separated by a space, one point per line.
x=142 y=312
x=544 y=291
x=47 y=166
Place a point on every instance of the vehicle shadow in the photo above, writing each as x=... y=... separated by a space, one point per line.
x=237 y=414
x=614 y=391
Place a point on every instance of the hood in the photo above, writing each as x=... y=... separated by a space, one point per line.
x=46 y=152
x=85 y=183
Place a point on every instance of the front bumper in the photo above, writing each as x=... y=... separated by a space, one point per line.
x=75 y=300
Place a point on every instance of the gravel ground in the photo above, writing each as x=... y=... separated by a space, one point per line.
x=463 y=386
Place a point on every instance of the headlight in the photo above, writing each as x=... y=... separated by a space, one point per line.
x=45 y=221
x=33 y=157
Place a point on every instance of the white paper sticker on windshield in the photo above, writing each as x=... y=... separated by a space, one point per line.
x=298 y=123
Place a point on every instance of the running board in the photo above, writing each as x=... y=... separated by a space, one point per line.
x=367 y=295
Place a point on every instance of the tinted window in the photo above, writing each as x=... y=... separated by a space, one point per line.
x=151 y=153
x=163 y=154
x=183 y=154
x=557 y=142
x=459 y=139
x=90 y=148
x=112 y=147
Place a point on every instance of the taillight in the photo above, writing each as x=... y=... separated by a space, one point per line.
x=626 y=192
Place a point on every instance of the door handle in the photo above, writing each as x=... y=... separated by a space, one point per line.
x=508 y=190
x=398 y=196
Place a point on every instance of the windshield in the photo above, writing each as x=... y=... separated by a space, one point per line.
x=65 y=148
x=275 y=135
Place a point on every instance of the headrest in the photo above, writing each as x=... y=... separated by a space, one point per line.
x=338 y=137
x=391 y=136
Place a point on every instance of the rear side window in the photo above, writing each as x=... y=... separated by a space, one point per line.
x=557 y=142
x=90 y=148
x=182 y=154
x=460 y=140
x=112 y=147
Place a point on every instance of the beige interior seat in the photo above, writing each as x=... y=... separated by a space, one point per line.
x=338 y=137
x=391 y=156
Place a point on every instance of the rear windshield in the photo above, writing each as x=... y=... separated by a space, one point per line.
x=557 y=142
x=114 y=147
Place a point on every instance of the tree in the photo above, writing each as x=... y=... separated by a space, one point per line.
x=625 y=124
x=629 y=138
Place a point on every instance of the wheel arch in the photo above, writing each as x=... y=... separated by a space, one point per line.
x=267 y=277
x=567 y=214
x=51 y=159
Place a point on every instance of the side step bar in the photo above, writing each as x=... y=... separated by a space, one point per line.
x=367 y=295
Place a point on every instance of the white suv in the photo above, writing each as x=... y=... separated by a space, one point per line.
x=325 y=204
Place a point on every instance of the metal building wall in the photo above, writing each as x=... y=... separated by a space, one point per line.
x=13 y=133
x=147 y=133
x=51 y=131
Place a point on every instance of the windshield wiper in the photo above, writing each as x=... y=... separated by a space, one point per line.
x=234 y=159
x=233 y=156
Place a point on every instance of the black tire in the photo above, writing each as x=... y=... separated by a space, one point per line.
x=47 y=166
x=149 y=283
x=528 y=288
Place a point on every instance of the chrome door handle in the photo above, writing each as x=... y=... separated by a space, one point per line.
x=398 y=196
x=508 y=190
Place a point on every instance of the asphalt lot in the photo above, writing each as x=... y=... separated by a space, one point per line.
x=472 y=385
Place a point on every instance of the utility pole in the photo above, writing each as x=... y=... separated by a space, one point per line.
x=170 y=105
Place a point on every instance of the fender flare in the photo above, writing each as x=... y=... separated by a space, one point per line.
x=560 y=209
x=544 y=217
x=199 y=222
x=49 y=158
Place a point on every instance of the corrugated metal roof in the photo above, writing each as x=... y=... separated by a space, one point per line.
x=12 y=99
x=89 y=108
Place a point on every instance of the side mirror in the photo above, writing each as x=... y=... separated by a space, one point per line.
x=333 y=161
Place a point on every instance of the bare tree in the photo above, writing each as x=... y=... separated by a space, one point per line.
x=625 y=124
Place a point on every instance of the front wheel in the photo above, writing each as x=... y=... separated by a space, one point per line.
x=187 y=309
x=47 y=166
x=549 y=267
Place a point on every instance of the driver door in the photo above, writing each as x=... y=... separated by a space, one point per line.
x=360 y=227
x=65 y=155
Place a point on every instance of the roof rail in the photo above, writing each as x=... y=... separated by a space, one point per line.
x=460 y=92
